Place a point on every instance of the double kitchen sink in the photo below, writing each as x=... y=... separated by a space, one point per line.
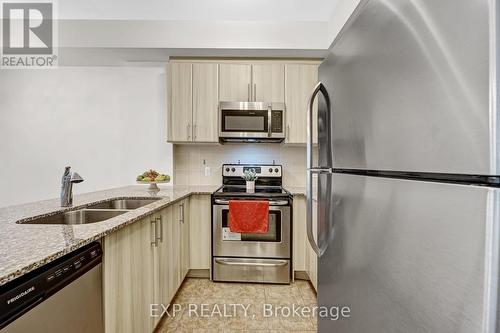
x=93 y=213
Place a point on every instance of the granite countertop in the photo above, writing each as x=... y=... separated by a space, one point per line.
x=25 y=247
x=296 y=190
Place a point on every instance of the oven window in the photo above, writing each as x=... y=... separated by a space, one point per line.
x=273 y=235
x=244 y=121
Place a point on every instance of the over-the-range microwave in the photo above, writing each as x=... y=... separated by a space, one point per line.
x=251 y=122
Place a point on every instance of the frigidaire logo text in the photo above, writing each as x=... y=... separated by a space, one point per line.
x=28 y=34
x=18 y=296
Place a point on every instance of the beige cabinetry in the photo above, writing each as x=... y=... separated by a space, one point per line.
x=252 y=82
x=205 y=102
x=268 y=83
x=311 y=257
x=299 y=233
x=181 y=219
x=304 y=257
x=196 y=86
x=180 y=115
x=235 y=82
x=129 y=277
x=145 y=263
x=300 y=80
x=193 y=102
x=200 y=232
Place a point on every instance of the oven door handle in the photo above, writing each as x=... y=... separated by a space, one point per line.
x=277 y=263
x=271 y=203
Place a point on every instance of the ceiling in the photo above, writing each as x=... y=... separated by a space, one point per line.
x=199 y=10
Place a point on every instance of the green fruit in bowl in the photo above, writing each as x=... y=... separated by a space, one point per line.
x=162 y=178
x=147 y=179
x=140 y=178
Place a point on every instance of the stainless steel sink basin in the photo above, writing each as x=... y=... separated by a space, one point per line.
x=94 y=213
x=81 y=216
x=122 y=203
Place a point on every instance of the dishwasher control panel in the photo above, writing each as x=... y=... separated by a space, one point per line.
x=22 y=294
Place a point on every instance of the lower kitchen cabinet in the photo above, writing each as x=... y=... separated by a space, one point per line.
x=304 y=257
x=144 y=263
x=128 y=277
x=299 y=233
x=200 y=232
x=311 y=257
x=184 y=218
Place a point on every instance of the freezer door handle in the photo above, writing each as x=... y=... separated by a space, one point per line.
x=320 y=170
x=319 y=249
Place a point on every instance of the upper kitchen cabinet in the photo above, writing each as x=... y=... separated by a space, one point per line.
x=252 y=82
x=235 y=82
x=193 y=101
x=300 y=80
x=268 y=83
x=180 y=110
x=197 y=86
x=205 y=102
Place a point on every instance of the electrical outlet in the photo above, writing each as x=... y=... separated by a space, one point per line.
x=208 y=172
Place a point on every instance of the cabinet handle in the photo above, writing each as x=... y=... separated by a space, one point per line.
x=160 y=220
x=188 y=128
x=249 y=92
x=255 y=92
x=287 y=132
x=195 y=130
x=181 y=213
x=153 y=233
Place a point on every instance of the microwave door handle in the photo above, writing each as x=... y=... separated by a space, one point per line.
x=269 y=120
x=319 y=250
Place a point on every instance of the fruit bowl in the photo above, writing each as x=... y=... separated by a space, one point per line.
x=152 y=177
x=153 y=184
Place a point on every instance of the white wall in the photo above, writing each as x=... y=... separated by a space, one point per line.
x=340 y=15
x=107 y=123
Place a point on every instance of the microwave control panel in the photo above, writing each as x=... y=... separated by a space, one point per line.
x=277 y=121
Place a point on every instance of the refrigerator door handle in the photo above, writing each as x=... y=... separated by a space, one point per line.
x=319 y=249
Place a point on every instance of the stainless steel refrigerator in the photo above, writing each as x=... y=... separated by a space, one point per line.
x=408 y=169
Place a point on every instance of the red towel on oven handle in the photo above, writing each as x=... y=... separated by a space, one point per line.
x=249 y=216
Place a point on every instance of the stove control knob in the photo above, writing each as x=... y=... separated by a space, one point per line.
x=227 y=169
x=276 y=170
x=233 y=169
x=270 y=169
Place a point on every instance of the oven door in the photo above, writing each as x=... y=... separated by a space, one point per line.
x=273 y=244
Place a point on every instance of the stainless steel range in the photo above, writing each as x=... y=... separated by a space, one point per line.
x=265 y=258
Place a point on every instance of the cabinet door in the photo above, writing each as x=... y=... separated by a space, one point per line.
x=185 y=238
x=299 y=234
x=200 y=232
x=175 y=248
x=128 y=283
x=162 y=259
x=205 y=102
x=268 y=83
x=234 y=82
x=300 y=81
x=181 y=102
x=312 y=258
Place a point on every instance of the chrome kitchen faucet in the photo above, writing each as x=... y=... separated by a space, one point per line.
x=67 y=181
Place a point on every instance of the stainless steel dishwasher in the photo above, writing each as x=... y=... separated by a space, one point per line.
x=62 y=296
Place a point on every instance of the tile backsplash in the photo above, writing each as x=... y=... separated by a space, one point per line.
x=202 y=164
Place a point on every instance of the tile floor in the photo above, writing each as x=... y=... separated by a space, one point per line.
x=206 y=306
